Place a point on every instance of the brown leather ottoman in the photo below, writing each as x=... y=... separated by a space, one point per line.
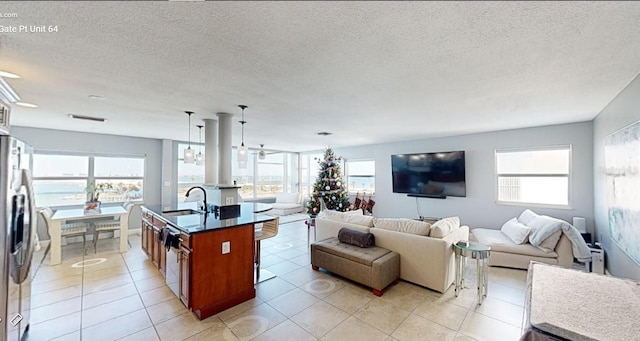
x=374 y=267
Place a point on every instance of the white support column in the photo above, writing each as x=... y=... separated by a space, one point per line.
x=211 y=151
x=225 y=148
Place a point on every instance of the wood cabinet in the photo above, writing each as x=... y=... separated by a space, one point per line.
x=210 y=281
x=185 y=275
x=151 y=241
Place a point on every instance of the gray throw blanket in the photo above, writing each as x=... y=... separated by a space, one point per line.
x=357 y=238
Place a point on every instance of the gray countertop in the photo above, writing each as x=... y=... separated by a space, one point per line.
x=195 y=223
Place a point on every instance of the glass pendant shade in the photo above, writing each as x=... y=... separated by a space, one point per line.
x=189 y=155
x=200 y=156
x=243 y=151
x=243 y=154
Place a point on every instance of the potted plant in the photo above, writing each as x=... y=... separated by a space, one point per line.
x=92 y=205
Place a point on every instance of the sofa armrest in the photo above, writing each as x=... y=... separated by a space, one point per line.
x=424 y=260
x=564 y=250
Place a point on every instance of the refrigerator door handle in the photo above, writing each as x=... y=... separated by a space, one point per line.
x=23 y=229
x=30 y=219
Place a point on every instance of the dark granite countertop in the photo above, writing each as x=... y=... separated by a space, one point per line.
x=200 y=222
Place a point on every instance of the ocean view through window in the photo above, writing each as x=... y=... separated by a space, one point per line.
x=61 y=180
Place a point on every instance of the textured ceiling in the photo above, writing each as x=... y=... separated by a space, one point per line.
x=368 y=72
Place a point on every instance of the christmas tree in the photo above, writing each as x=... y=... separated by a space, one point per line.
x=328 y=186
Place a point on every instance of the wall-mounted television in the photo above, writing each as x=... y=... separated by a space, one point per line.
x=436 y=175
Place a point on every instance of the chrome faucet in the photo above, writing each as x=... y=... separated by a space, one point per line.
x=204 y=207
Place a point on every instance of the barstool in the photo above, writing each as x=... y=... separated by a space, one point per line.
x=269 y=229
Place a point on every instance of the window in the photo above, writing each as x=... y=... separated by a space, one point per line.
x=309 y=169
x=278 y=172
x=361 y=176
x=534 y=176
x=125 y=176
x=270 y=175
x=60 y=180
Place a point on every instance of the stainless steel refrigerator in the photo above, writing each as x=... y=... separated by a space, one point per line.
x=17 y=237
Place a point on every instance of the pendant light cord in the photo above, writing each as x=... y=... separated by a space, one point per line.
x=243 y=121
x=189 y=113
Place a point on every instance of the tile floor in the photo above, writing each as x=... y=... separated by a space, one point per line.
x=123 y=297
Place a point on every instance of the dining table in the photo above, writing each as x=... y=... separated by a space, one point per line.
x=63 y=215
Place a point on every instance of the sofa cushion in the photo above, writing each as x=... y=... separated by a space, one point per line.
x=444 y=226
x=288 y=198
x=402 y=225
x=364 y=256
x=526 y=216
x=499 y=242
x=284 y=206
x=349 y=217
x=516 y=231
x=545 y=232
x=357 y=238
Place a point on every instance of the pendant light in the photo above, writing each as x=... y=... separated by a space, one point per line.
x=243 y=153
x=199 y=156
x=261 y=154
x=188 y=152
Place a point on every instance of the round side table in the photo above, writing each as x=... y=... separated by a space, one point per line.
x=481 y=254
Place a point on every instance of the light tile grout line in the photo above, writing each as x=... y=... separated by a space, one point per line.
x=139 y=296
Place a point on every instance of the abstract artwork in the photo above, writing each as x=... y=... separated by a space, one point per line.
x=622 y=169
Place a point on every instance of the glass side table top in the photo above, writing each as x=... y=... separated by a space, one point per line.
x=472 y=246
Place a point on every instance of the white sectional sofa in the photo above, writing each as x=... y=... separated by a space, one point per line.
x=287 y=203
x=533 y=237
x=426 y=251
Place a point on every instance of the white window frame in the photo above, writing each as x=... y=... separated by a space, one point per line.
x=569 y=176
x=91 y=178
x=347 y=174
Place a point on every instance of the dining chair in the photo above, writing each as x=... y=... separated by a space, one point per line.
x=110 y=225
x=269 y=230
x=67 y=229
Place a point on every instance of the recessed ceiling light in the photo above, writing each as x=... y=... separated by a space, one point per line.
x=324 y=133
x=98 y=97
x=88 y=118
x=26 y=105
x=6 y=74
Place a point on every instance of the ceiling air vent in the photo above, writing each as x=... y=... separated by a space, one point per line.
x=88 y=118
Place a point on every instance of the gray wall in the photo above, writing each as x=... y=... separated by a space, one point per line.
x=622 y=111
x=68 y=141
x=478 y=208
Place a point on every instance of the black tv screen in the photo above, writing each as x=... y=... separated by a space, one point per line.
x=429 y=174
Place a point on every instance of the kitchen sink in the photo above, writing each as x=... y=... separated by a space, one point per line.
x=180 y=212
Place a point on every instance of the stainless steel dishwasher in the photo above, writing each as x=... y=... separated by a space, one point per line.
x=173 y=266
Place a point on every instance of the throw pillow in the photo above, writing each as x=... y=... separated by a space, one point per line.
x=526 y=216
x=444 y=226
x=516 y=231
x=357 y=238
x=403 y=225
x=543 y=227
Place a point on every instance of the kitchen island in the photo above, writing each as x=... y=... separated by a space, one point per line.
x=215 y=257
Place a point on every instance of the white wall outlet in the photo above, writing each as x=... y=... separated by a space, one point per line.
x=167 y=184
x=229 y=200
x=226 y=247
